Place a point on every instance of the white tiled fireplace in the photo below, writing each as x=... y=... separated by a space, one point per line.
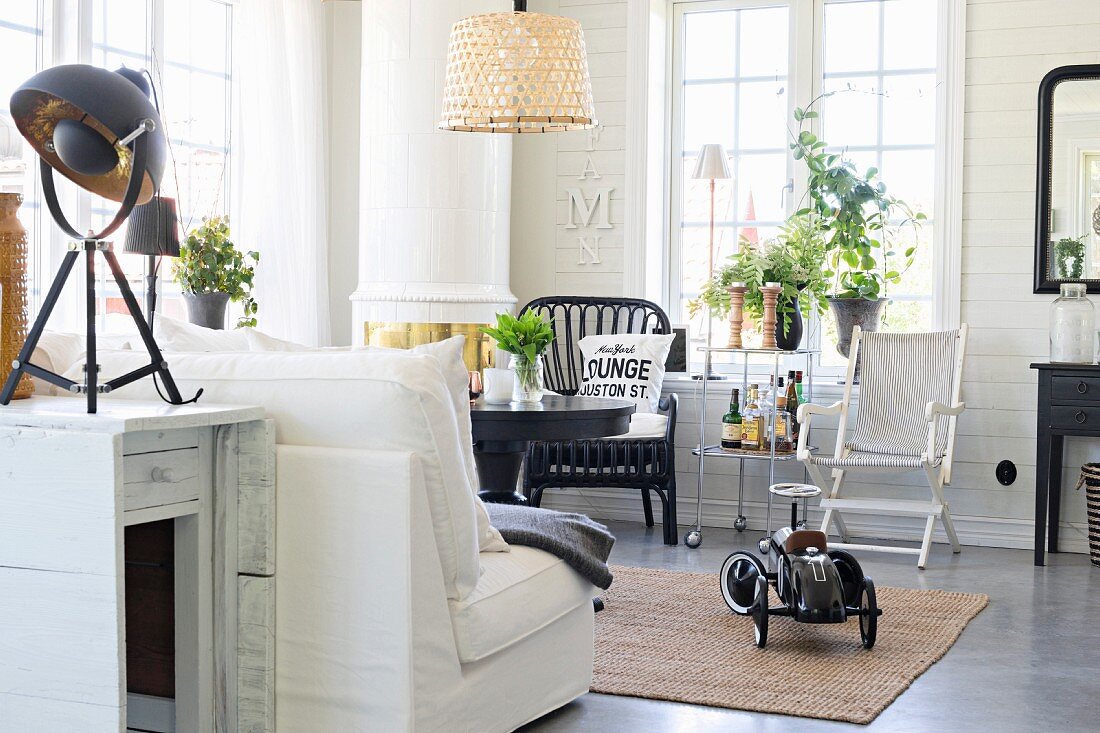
x=434 y=205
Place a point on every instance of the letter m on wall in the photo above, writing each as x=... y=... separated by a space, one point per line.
x=579 y=207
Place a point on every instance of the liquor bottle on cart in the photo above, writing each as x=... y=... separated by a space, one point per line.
x=752 y=422
x=793 y=400
x=731 y=424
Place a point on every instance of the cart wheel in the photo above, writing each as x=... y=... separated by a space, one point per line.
x=740 y=524
x=738 y=579
x=868 y=613
x=850 y=574
x=693 y=539
x=760 y=612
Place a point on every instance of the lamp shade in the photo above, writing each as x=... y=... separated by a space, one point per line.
x=712 y=163
x=517 y=72
x=153 y=229
x=75 y=115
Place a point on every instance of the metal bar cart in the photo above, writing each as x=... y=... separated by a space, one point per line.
x=694 y=537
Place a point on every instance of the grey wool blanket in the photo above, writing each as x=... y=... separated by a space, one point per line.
x=584 y=545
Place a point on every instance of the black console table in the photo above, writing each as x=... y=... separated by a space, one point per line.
x=1068 y=404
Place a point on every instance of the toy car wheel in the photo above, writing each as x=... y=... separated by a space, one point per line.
x=783 y=579
x=850 y=574
x=738 y=579
x=868 y=613
x=760 y=612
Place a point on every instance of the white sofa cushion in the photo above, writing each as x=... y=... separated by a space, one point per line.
x=520 y=592
x=390 y=400
x=449 y=353
x=173 y=335
x=645 y=425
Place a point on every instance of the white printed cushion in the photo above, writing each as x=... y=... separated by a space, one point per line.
x=625 y=366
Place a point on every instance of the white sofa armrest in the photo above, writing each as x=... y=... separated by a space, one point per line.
x=363 y=627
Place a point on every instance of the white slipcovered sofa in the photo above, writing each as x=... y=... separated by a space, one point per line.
x=388 y=617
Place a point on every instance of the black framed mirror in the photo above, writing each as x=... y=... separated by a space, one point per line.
x=1067 y=190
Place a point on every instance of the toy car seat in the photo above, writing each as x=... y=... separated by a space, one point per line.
x=802 y=538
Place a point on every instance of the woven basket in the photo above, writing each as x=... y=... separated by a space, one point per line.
x=13 y=282
x=1090 y=479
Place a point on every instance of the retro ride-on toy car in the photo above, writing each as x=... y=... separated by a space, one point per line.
x=815 y=584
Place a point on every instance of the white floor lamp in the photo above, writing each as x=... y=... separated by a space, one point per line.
x=712 y=165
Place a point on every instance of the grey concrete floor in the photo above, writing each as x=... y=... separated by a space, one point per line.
x=1029 y=662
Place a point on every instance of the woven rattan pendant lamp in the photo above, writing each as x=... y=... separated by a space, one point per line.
x=517 y=72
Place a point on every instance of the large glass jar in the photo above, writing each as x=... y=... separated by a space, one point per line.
x=1073 y=326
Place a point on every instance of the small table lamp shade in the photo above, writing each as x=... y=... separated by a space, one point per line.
x=712 y=163
x=153 y=229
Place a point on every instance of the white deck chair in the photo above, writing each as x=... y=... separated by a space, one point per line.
x=905 y=421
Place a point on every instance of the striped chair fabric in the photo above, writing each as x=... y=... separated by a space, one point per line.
x=902 y=373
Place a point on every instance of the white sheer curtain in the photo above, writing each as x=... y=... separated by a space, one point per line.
x=280 y=176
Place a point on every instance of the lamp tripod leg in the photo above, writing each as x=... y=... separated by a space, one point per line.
x=39 y=326
x=91 y=362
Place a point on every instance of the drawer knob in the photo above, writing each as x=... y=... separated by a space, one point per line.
x=1082 y=388
x=162 y=475
x=1080 y=417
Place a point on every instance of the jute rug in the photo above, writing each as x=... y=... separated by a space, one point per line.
x=669 y=636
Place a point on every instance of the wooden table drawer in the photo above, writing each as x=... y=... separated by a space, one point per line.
x=1075 y=389
x=161 y=478
x=1073 y=417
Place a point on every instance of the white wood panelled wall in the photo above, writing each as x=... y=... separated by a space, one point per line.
x=1010 y=45
x=546 y=166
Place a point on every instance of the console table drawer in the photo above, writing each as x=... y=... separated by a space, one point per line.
x=1071 y=417
x=1075 y=389
x=161 y=478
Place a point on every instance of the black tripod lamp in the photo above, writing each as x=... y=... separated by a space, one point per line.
x=153 y=231
x=100 y=130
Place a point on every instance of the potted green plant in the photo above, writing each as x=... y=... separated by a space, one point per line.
x=211 y=271
x=795 y=260
x=855 y=213
x=1069 y=258
x=525 y=338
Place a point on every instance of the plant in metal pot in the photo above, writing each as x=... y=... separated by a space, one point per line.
x=1069 y=258
x=211 y=271
x=857 y=217
x=795 y=259
x=525 y=338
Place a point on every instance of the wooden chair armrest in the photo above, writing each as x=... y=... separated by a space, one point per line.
x=938 y=408
x=809 y=408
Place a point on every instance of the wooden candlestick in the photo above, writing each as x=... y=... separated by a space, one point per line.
x=771 y=293
x=737 y=313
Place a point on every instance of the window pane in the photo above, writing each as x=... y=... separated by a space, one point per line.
x=764 y=42
x=22 y=13
x=709 y=114
x=851 y=36
x=760 y=181
x=909 y=110
x=907 y=27
x=711 y=52
x=850 y=115
x=764 y=103
x=910 y=175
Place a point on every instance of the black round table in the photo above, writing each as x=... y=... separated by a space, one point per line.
x=503 y=432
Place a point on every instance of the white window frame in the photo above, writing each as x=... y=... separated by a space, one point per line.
x=653 y=30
